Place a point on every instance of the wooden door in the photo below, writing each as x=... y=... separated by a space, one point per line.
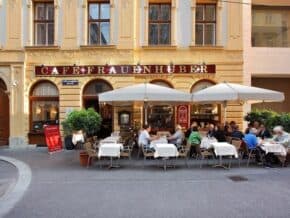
x=4 y=117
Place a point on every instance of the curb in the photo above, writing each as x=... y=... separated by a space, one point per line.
x=16 y=192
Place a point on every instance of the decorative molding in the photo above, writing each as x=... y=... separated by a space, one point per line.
x=85 y=4
x=56 y=4
x=219 y=4
x=29 y=3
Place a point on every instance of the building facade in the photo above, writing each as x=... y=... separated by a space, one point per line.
x=267 y=48
x=56 y=56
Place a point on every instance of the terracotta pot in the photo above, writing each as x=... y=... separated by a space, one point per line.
x=84 y=159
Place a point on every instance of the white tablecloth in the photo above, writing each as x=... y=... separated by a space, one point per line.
x=165 y=150
x=111 y=139
x=274 y=148
x=78 y=137
x=162 y=140
x=110 y=150
x=224 y=149
x=207 y=142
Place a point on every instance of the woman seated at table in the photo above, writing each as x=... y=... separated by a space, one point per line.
x=283 y=138
x=219 y=133
x=194 y=140
x=237 y=133
x=178 y=137
x=211 y=131
x=145 y=138
x=264 y=132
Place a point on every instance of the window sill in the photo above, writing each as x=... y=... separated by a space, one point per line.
x=98 y=46
x=206 y=47
x=159 y=47
x=42 y=47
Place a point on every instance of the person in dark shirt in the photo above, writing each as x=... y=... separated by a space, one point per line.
x=219 y=133
x=211 y=131
x=264 y=132
x=188 y=132
x=237 y=133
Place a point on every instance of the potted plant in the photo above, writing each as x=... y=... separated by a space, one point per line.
x=86 y=120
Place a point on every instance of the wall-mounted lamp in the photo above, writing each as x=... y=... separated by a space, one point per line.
x=139 y=69
x=14 y=83
x=170 y=67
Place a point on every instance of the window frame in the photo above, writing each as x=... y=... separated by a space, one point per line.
x=204 y=22
x=45 y=21
x=159 y=22
x=98 y=21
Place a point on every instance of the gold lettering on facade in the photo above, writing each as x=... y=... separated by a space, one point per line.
x=44 y=70
x=112 y=70
x=90 y=69
x=101 y=70
x=147 y=69
x=124 y=69
x=182 y=69
x=65 y=70
x=76 y=70
x=159 y=69
x=137 y=69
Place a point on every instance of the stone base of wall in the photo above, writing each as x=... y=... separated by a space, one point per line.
x=16 y=142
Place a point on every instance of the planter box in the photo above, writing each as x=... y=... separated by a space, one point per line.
x=84 y=159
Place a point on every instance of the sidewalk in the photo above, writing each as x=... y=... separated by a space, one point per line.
x=8 y=177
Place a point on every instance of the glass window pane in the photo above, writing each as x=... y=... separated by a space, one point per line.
x=153 y=34
x=199 y=12
x=94 y=11
x=50 y=33
x=44 y=111
x=164 y=34
x=210 y=13
x=199 y=34
x=50 y=12
x=153 y=12
x=94 y=33
x=45 y=89
x=161 y=117
x=40 y=13
x=105 y=33
x=209 y=34
x=270 y=27
x=105 y=11
x=165 y=12
x=40 y=30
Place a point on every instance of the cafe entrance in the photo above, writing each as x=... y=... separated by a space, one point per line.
x=4 y=114
x=91 y=100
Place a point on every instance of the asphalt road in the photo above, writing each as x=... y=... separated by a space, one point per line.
x=61 y=188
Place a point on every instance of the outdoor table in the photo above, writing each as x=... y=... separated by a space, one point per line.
x=276 y=148
x=206 y=142
x=111 y=139
x=110 y=150
x=161 y=140
x=224 y=149
x=165 y=151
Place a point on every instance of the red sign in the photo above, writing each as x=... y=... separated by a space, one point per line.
x=182 y=116
x=53 y=138
x=123 y=69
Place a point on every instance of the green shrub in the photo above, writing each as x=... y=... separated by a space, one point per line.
x=270 y=118
x=88 y=121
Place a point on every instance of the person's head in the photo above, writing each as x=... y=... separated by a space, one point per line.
x=253 y=131
x=211 y=127
x=236 y=128
x=262 y=126
x=278 y=130
x=178 y=127
x=195 y=129
x=194 y=123
x=232 y=123
x=147 y=127
x=256 y=124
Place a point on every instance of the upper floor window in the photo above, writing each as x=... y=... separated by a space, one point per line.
x=270 y=26
x=43 y=23
x=99 y=23
x=159 y=23
x=205 y=27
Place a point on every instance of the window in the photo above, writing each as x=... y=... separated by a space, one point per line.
x=205 y=27
x=44 y=105
x=270 y=26
x=99 y=23
x=159 y=24
x=44 y=23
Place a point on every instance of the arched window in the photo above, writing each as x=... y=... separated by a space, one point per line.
x=204 y=113
x=161 y=117
x=44 y=105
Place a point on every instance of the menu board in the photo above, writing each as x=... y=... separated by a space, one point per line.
x=53 y=138
x=183 y=116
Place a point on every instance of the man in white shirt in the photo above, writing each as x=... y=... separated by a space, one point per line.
x=282 y=137
x=178 y=137
x=144 y=137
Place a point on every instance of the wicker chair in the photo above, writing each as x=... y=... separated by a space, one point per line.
x=251 y=155
x=205 y=154
x=91 y=152
x=238 y=145
x=127 y=149
x=183 y=152
x=147 y=153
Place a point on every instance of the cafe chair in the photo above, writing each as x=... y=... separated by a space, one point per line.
x=205 y=154
x=128 y=148
x=251 y=155
x=238 y=145
x=147 y=153
x=184 y=152
x=91 y=152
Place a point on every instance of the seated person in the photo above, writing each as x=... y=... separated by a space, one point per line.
x=283 y=138
x=219 y=133
x=251 y=141
x=211 y=130
x=194 y=140
x=264 y=132
x=237 y=133
x=145 y=139
x=178 y=137
x=187 y=133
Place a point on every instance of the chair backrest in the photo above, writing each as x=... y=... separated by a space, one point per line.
x=237 y=143
x=89 y=148
x=229 y=139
